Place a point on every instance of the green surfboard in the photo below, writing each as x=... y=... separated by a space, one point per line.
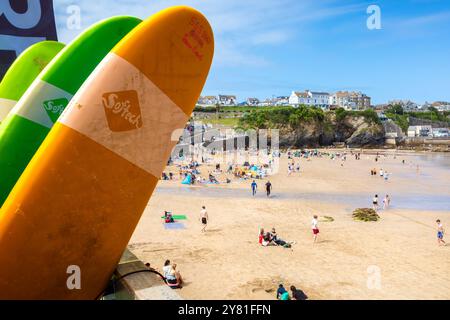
x=23 y=71
x=29 y=122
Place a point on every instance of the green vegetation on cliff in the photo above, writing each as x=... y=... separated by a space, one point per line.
x=402 y=118
x=281 y=117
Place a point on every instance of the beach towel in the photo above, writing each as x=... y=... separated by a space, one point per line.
x=174 y=226
x=177 y=217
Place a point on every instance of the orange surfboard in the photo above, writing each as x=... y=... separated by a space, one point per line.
x=75 y=207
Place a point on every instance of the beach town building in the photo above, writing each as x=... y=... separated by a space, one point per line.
x=441 y=132
x=253 y=102
x=225 y=100
x=441 y=106
x=361 y=100
x=281 y=101
x=407 y=105
x=207 y=101
x=420 y=131
x=266 y=103
x=310 y=98
x=342 y=99
x=350 y=100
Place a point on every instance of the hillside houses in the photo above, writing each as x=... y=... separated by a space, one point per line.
x=324 y=100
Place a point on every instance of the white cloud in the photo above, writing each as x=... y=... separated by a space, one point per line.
x=271 y=38
x=239 y=25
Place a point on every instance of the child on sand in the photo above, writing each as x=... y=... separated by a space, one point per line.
x=440 y=233
x=315 y=227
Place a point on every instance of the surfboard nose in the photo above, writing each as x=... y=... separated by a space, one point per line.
x=179 y=31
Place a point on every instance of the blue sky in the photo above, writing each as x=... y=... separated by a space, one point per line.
x=268 y=48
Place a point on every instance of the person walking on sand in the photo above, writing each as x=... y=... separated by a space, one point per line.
x=254 y=187
x=268 y=188
x=440 y=233
x=386 y=202
x=315 y=227
x=204 y=218
x=375 y=202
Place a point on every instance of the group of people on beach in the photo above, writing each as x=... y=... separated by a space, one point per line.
x=293 y=167
x=271 y=238
x=296 y=294
x=383 y=173
x=376 y=204
x=254 y=187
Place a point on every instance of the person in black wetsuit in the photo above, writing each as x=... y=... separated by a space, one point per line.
x=268 y=188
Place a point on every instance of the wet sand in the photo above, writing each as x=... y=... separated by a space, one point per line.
x=394 y=258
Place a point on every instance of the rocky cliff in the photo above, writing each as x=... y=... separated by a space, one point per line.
x=354 y=131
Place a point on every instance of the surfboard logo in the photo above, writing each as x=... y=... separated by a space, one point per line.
x=123 y=111
x=55 y=107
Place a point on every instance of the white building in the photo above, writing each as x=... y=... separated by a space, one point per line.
x=253 y=102
x=281 y=101
x=310 y=98
x=343 y=99
x=207 y=101
x=265 y=103
x=420 y=131
x=441 y=132
x=227 y=100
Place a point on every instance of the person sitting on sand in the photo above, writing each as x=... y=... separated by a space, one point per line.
x=168 y=218
x=266 y=238
x=282 y=294
x=298 y=294
x=212 y=179
x=172 y=276
x=275 y=239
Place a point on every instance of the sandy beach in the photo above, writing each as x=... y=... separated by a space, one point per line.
x=395 y=258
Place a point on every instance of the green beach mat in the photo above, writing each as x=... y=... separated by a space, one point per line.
x=29 y=122
x=24 y=71
x=179 y=217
